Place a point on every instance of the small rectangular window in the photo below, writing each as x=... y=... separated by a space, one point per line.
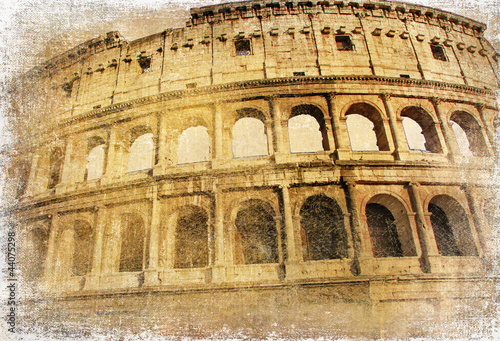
x=404 y=76
x=242 y=47
x=297 y=74
x=343 y=43
x=145 y=63
x=438 y=52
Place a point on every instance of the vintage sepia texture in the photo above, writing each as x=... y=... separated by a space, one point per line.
x=271 y=169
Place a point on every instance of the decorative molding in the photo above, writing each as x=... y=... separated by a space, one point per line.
x=177 y=94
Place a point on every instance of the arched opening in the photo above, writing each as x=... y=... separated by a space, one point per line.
x=82 y=251
x=451 y=227
x=249 y=138
x=389 y=226
x=256 y=236
x=414 y=135
x=306 y=130
x=468 y=134
x=34 y=254
x=132 y=243
x=365 y=128
x=420 y=130
x=141 y=152
x=23 y=176
x=462 y=140
x=193 y=145
x=56 y=164
x=191 y=238
x=322 y=229
x=95 y=158
x=361 y=133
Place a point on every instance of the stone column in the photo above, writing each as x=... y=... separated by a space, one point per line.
x=489 y=138
x=218 y=157
x=482 y=226
x=92 y=281
x=151 y=273
x=425 y=233
x=289 y=230
x=116 y=152
x=449 y=136
x=49 y=278
x=280 y=146
x=68 y=171
x=401 y=147
x=361 y=250
x=218 y=273
x=269 y=135
x=161 y=147
x=342 y=145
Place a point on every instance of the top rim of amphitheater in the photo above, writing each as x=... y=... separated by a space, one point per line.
x=250 y=4
x=383 y=4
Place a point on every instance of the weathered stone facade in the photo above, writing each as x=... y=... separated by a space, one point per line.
x=132 y=180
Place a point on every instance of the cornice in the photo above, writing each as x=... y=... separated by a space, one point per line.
x=265 y=83
x=244 y=9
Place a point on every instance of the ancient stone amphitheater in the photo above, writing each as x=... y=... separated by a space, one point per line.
x=302 y=167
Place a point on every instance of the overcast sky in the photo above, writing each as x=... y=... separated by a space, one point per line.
x=35 y=30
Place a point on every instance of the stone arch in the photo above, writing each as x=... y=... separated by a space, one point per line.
x=473 y=142
x=378 y=133
x=95 y=158
x=389 y=226
x=323 y=234
x=141 y=149
x=191 y=238
x=451 y=226
x=306 y=129
x=428 y=129
x=56 y=161
x=34 y=252
x=256 y=233
x=249 y=136
x=132 y=246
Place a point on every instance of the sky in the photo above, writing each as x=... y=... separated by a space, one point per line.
x=32 y=31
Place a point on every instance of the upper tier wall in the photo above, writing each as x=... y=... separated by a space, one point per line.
x=273 y=40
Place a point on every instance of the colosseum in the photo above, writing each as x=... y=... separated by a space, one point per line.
x=297 y=168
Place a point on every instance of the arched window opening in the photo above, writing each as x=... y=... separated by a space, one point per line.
x=249 y=138
x=132 y=243
x=95 y=158
x=323 y=231
x=141 y=153
x=306 y=130
x=468 y=134
x=34 y=254
x=23 y=176
x=462 y=140
x=451 y=227
x=361 y=133
x=256 y=233
x=56 y=164
x=420 y=130
x=390 y=228
x=194 y=145
x=191 y=238
x=414 y=135
x=383 y=231
x=365 y=128
x=82 y=252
